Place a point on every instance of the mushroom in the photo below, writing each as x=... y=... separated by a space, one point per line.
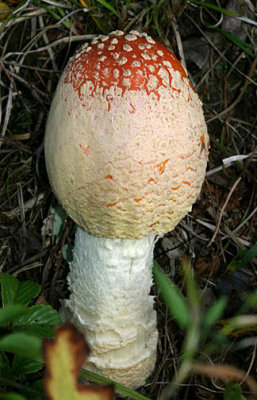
x=126 y=152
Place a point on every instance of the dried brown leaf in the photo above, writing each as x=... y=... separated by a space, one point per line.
x=64 y=357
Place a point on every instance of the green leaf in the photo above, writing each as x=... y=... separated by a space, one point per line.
x=173 y=298
x=5 y=370
x=38 y=387
x=22 y=344
x=14 y=291
x=12 y=396
x=27 y=291
x=215 y=312
x=242 y=258
x=24 y=366
x=39 y=320
x=9 y=287
x=10 y=312
x=59 y=219
x=67 y=252
x=233 y=391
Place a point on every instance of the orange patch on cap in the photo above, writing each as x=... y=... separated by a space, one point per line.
x=85 y=149
x=162 y=166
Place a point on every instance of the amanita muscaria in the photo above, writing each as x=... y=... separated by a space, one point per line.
x=126 y=152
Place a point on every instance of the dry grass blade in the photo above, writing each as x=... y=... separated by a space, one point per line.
x=79 y=38
x=225 y=373
x=220 y=53
x=223 y=210
x=7 y=110
x=233 y=105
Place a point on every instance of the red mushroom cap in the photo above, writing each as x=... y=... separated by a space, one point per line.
x=126 y=138
x=128 y=62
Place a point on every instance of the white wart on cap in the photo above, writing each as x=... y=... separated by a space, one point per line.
x=126 y=138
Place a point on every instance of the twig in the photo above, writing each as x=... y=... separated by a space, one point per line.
x=19 y=386
x=179 y=41
x=246 y=220
x=251 y=364
x=228 y=162
x=223 y=209
x=49 y=49
x=225 y=372
x=209 y=69
x=28 y=205
x=219 y=52
x=229 y=108
x=78 y=38
x=8 y=111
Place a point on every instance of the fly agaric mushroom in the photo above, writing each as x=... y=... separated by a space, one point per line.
x=126 y=152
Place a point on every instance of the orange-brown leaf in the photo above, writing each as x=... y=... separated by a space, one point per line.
x=4 y=7
x=64 y=357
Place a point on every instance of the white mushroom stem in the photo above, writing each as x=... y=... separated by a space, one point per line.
x=110 y=282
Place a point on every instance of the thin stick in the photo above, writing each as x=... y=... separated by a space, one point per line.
x=223 y=209
x=179 y=41
x=230 y=108
x=225 y=372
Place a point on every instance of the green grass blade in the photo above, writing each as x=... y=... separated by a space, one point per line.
x=242 y=258
x=101 y=380
x=192 y=334
x=77 y=4
x=155 y=17
x=65 y=22
x=192 y=290
x=246 y=47
x=12 y=396
x=109 y=7
x=239 y=322
x=216 y=8
x=173 y=298
x=215 y=312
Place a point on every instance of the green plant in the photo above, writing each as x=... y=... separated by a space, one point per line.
x=23 y=327
x=23 y=324
x=242 y=258
x=202 y=333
